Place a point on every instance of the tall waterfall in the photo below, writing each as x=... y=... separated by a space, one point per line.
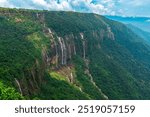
x=74 y=48
x=83 y=44
x=83 y=48
x=65 y=51
x=62 y=51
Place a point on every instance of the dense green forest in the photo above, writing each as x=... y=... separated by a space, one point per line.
x=145 y=35
x=69 y=55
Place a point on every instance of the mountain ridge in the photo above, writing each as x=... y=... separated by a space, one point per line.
x=65 y=55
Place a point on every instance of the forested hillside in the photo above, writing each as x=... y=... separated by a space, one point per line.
x=69 y=55
x=145 y=35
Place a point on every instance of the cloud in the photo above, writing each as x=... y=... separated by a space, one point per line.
x=135 y=7
x=4 y=3
x=66 y=5
x=107 y=7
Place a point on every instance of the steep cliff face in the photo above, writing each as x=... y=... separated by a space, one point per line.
x=66 y=55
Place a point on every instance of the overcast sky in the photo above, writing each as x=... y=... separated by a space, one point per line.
x=103 y=7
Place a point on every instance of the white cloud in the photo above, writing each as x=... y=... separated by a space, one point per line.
x=109 y=7
x=5 y=3
x=40 y=2
x=67 y=5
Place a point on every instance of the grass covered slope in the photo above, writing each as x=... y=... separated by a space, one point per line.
x=66 y=55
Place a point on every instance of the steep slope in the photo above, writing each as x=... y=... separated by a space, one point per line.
x=139 y=25
x=67 y=55
x=145 y=35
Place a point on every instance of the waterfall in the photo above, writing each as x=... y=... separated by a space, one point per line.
x=62 y=50
x=49 y=30
x=37 y=15
x=51 y=34
x=69 y=49
x=82 y=36
x=73 y=44
x=65 y=51
x=74 y=48
x=83 y=49
x=83 y=44
x=19 y=86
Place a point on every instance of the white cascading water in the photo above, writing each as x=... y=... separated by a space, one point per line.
x=83 y=44
x=73 y=42
x=37 y=15
x=69 y=49
x=71 y=77
x=19 y=86
x=65 y=51
x=84 y=49
x=74 y=48
x=82 y=36
x=49 y=30
x=62 y=50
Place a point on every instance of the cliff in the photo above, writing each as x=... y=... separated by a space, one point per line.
x=68 y=55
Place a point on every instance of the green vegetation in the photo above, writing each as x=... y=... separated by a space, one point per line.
x=7 y=93
x=60 y=90
x=84 y=80
x=70 y=22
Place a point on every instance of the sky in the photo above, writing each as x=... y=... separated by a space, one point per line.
x=102 y=7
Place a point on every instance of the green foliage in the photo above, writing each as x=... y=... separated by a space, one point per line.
x=18 y=54
x=57 y=76
x=69 y=22
x=60 y=90
x=84 y=80
x=9 y=93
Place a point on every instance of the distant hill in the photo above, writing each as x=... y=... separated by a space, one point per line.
x=140 y=22
x=145 y=35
